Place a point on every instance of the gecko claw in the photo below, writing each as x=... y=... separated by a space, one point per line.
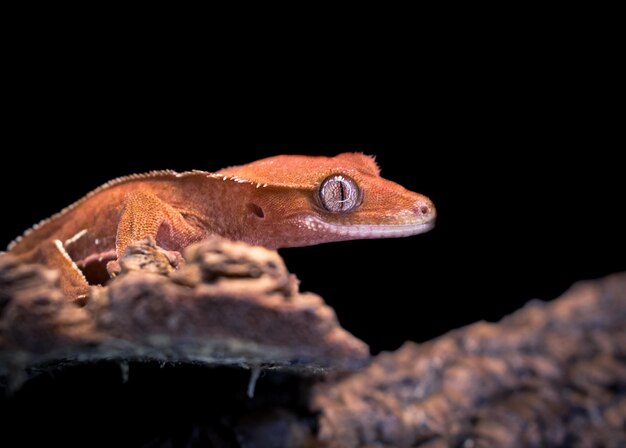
x=146 y=256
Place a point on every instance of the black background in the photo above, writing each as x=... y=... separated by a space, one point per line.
x=518 y=144
x=514 y=124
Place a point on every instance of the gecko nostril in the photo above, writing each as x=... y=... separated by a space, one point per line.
x=424 y=209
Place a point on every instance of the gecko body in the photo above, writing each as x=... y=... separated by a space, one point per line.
x=282 y=201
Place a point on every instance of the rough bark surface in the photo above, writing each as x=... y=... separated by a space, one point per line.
x=229 y=304
x=551 y=374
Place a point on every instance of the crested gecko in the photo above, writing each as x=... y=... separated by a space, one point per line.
x=281 y=201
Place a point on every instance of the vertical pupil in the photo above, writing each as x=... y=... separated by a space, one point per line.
x=342 y=194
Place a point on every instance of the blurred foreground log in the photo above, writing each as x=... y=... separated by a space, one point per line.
x=230 y=304
x=551 y=374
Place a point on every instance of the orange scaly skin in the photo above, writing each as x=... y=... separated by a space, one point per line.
x=280 y=201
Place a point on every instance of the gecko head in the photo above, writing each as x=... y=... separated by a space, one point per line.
x=300 y=201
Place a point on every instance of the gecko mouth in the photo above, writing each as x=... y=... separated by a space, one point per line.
x=370 y=230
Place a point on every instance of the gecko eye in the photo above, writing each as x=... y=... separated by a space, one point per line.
x=339 y=194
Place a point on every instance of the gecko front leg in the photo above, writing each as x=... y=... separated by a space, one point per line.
x=144 y=216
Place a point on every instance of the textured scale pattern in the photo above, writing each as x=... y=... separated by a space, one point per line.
x=274 y=202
